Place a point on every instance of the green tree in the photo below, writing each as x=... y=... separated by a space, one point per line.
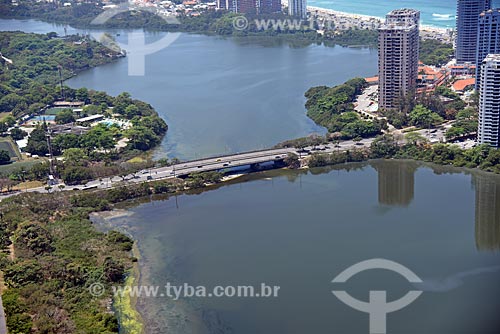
x=131 y=111
x=3 y=127
x=65 y=141
x=65 y=116
x=75 y=156
x=18 y=320
x=37 y=142
x=142 y=138
x=415 y=138
x=34 y=237
x=18 y=134
x=4 y=157
x=10 y=121
x=82 y=94
x=467 y=114
x=18 y=274
x=10 y=101
x=100 y=136
x=423 y=117
x=76 y=175
x=91 y=109
x=154 y=123
x=292 y=161
x=384 y=146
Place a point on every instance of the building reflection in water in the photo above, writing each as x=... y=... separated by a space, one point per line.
x=487 y=189
x=396 y=182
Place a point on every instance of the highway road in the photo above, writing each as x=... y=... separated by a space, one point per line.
x=208 y=164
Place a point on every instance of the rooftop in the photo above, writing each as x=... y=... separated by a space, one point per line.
x=404 y=11
x=90 y=118
x=460 y=85
x=68 y=128
x=68 y=103
x=490 y=11
x=492 y=57
x=372 y=79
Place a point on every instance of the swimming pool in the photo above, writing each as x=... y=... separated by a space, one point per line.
x=41 y=118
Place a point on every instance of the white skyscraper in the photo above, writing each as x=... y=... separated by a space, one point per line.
x=297 y=8
x=489 y=102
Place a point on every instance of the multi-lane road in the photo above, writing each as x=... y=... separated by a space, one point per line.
x=208 y=164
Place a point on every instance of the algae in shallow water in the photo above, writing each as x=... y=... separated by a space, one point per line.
x=124 y=304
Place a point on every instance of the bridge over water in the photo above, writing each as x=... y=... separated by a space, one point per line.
x=218 y=163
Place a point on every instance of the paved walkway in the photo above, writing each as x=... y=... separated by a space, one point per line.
x=3 y=324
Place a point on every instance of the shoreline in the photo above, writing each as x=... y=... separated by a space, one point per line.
x=124 y=306
x=342 y=21
x=369 y=18
x=129 y=317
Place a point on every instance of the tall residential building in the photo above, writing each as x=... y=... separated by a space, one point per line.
x=228 y=5
x=297 y=8
x=488 y=38
x=489 y=102
x=398 y=45
x=467 y=23
x=269 y=6
x=250 y=6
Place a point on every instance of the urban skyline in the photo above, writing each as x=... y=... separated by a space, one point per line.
x=488 y=38
x=297 y=8
x=467 y=28
x=250 y=6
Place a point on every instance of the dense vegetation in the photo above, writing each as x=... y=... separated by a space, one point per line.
x=353 y=37
x=4 y=157
x=466 y=124
x=52 y=254
x=481 y=156
x=435 y=53
x=29 y=84
x=215 y=22
x=333 y=108
x=415 y=147
x=321 y=159
x=211 y=22
x=443 y=102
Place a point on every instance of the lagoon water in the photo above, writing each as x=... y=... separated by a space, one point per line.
x=223 y=95
x=298 y=230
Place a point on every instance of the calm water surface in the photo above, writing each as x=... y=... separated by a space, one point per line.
x=223 y=95
x=299 y=230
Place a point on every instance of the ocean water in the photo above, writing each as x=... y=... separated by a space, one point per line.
x=437 y=13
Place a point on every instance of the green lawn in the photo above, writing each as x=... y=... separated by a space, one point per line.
x=7 y=169
x=56 y=110
x=7 y=144
x=3 y=115
x=53 y=111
